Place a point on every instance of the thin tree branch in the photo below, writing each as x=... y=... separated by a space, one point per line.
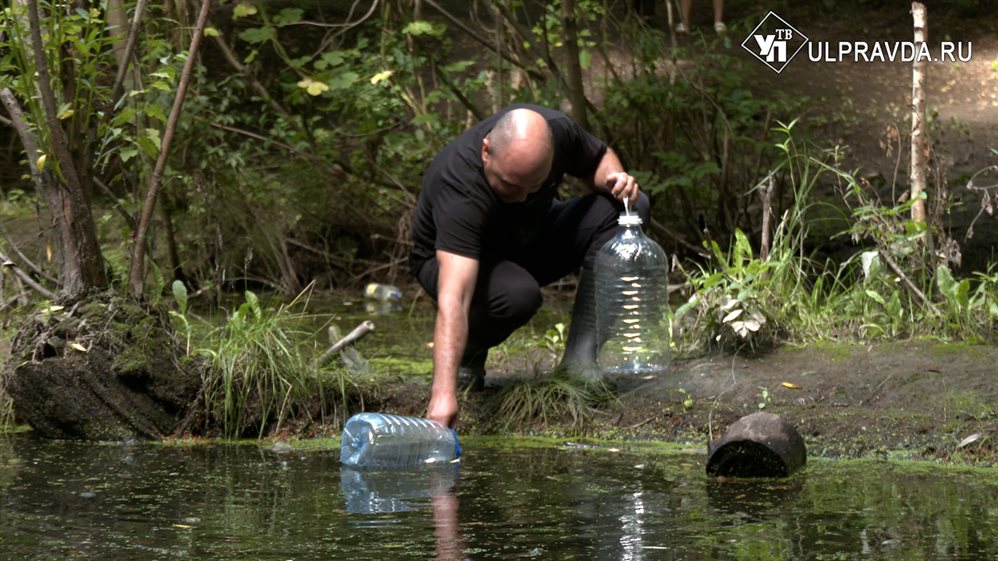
x=61 y=148
x=239 y=67
x=478 y=38
x=21 y=126
x=136 y=273
x=457 y=93
x=904 y=278
x=360 y=331
x=110 y=195
x=25 y=277
x=24 y=258
x=133 y=34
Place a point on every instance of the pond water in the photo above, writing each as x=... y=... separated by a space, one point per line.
x=63 y=500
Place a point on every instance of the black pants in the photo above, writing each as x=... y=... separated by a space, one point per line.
x=508 y=291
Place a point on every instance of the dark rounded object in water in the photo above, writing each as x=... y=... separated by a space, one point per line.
x=757 y=445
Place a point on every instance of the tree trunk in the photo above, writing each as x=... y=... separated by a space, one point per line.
x=576 y=90
x=919 y=141
x=136 y=275
x=83 y=264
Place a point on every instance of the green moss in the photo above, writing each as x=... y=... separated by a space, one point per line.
x=831 y=350
x=402 y=365
x=944 y=350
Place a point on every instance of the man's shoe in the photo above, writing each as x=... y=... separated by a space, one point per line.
x=471 y=372
x=581 y=345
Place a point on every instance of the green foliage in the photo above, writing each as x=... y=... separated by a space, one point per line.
x=258 y=376
x=740 y=300
x=698 y=129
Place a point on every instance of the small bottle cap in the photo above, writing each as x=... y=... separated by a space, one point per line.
x=629 y=220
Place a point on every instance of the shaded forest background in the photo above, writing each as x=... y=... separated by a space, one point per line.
x=301 y=141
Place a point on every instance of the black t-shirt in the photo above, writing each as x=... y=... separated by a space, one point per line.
x=459 y=213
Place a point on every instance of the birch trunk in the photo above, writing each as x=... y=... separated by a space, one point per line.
x=919 y=141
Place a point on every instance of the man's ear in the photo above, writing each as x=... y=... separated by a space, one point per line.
x=485 y=151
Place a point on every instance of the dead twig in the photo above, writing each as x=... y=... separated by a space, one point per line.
x=358 y=332
x=6 y=263
x=907 y=282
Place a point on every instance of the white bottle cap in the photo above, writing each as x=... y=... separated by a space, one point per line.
x=629 y=220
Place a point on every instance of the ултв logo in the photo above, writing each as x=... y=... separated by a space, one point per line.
x=774 y=42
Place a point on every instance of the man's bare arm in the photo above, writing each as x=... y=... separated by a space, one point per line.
x=455 y=288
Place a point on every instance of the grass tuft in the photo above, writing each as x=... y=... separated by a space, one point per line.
x=259 y=377
x=552 y=399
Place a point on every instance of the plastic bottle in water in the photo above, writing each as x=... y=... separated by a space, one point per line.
x=632 y=302
x=383 y=441
x=383 y=292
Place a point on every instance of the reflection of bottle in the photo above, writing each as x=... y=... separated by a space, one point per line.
x=380 y=441
x=382 y=307
x=375 y=492
x=632 y=302
x=383 y=292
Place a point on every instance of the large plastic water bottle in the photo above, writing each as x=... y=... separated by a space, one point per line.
x=383 y=441
x=632 y=302
x=383 y=292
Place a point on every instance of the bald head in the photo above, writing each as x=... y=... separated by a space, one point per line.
x=517 y=154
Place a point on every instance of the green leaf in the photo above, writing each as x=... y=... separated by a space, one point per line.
x=313 y=87
x=254 y=304
x=876 y=297
x=288 y=16
x=155 y=112
x=180 y=295
x=585 y=59
x=381 y=76
x=127 y=154
x=333 y=58
x=422 y=27
x=459 y=66
x=211 y=32
x=256 y=35
x=243 y=9
x=153 y=135
x=342 y=81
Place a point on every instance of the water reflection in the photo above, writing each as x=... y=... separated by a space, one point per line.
x=80 y=501
x=380 y=492
x=393 y=491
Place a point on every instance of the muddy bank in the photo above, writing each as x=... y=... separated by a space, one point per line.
x=915 y=400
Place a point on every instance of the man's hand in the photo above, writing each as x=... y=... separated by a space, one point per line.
x=443 y=409
x=623 y=186
x=611 y=178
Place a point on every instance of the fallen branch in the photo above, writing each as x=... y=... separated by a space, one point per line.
x=907 y=282
x=24 y=258
x=6 y=263
x=117 y=206
x=359 y=332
